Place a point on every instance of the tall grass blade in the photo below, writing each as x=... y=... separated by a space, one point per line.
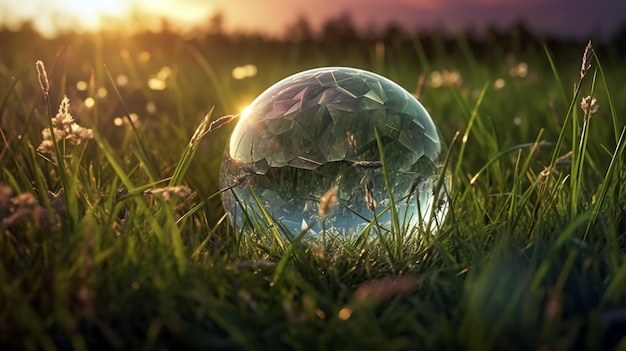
x=190 y=151
x=142 y=154
x=470 y=123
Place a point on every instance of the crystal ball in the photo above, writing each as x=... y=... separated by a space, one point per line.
x=333 y=150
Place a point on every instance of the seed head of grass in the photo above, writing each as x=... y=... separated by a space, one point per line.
x=369 y=195
x=586 y=62
x=221 y=121
x=22 y=208
x=559 y=164
x=367 y=164
x=589 y=105
x=168 y=192
x=351 y=141
x=64 y=127
x=416 y=181
x=42 y=76
x=328 y=201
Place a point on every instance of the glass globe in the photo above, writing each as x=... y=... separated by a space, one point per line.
x=307 y=154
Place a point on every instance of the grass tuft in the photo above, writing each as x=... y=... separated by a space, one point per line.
x=120 y=242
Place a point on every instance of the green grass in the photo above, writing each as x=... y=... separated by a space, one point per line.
x=531 y=255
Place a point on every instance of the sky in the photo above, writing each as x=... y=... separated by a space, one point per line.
x=571 y=18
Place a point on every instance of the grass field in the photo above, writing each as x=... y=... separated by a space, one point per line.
x=114 y=236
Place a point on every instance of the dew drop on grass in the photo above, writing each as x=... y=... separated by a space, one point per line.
x=317 y=130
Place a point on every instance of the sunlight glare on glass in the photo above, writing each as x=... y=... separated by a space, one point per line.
x=245 y=112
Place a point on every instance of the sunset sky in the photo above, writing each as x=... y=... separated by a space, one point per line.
x=580 y=18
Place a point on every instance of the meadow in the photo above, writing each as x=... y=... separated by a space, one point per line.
x=114 y=237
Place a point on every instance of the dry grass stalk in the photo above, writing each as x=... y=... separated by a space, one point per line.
x=419 y=90
x=64 y=127
x=563 y=161
x=586 y=63
x=15 y=209
x=221 y=121
x=351 y=141
x=252 y=265
x=206 y=127
x=328 y=201
x=168 y=192
x=42 y=76
x=199 y=132
x=367 y=164
x=369 y=195
x=417 y=181
x=589 y=105
x=559 y=164
x=381 y=289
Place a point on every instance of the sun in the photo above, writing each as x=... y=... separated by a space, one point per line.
x=91 y=14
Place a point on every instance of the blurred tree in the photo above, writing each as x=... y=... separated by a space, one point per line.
x=299 y=31
x=394 y=34
x=340 y=29
x=215 y=23
x=521 y=37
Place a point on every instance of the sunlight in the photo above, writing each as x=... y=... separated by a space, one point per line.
x=52 y=16
x=245 y=112
x=90 y=14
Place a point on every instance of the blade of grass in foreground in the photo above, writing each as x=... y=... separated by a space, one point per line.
x=441 y=184
x=210 y=72
x=190 y=151
x=473 y=117
x=550 y=258
x=143 y=156
x=570 y=115
x=272 y=225
x=608 y=178
x=10 y=91
x=554 y=71
x=608 y=98
x=395 y=221
x=504 y=153
x=110 y=156
x=168 y=223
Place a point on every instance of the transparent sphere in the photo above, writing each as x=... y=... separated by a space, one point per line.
x=307 y=153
